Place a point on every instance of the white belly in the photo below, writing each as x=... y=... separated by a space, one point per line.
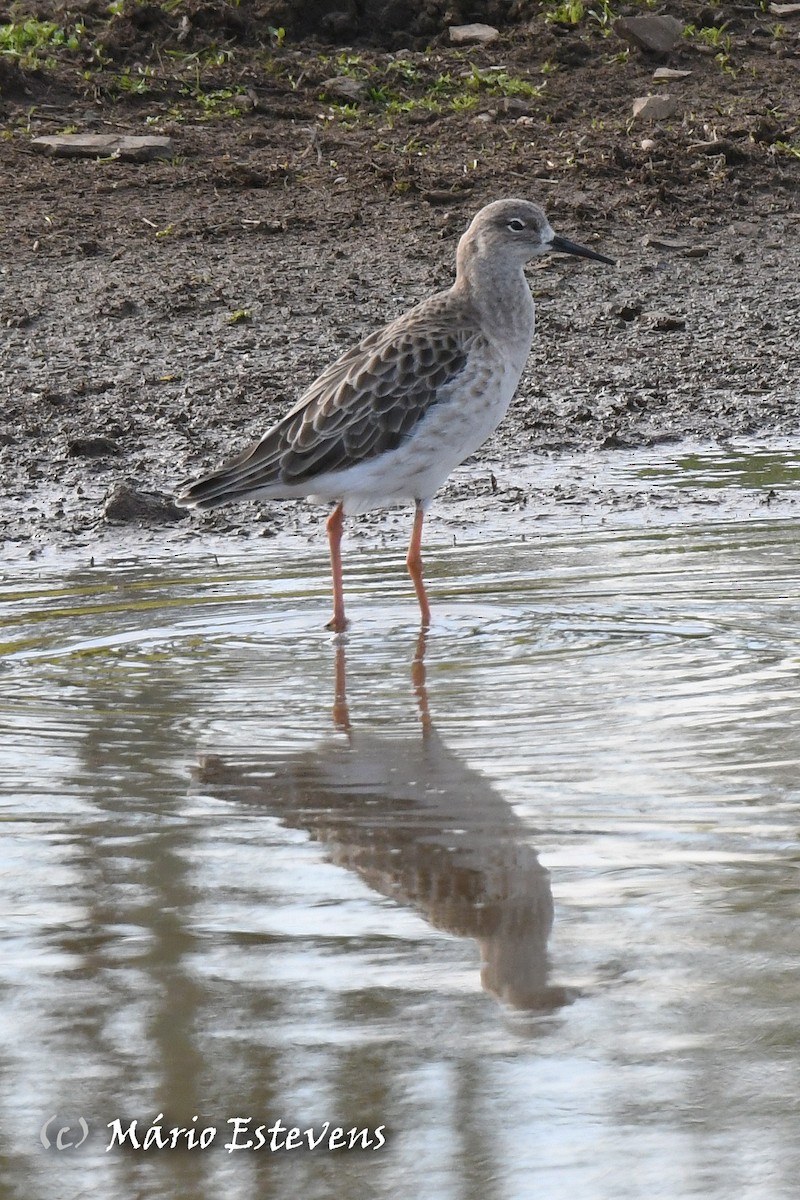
x=465 y=414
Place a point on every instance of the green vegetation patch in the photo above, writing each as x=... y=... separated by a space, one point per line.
x=31 y=41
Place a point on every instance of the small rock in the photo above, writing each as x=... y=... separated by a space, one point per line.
x=653 y=34
x=245 y=101
x=483 y=34
x=104 y=145
x=661 y=243
x=697 y=252
x=92 y=447
x=654 y=108
x=664 y=322
x=345 y=87
x=663 y=73
x=648 y=144
x=128 y=506
x=785 y=10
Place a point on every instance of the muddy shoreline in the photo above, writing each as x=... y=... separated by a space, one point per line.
x=156 y=317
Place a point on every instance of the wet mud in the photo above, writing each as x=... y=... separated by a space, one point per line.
x=158 y=316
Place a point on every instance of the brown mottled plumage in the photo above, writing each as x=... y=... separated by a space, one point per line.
x=363 y=405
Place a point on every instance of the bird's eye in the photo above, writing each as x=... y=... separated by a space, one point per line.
x=515 y=225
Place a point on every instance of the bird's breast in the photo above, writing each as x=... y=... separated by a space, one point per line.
x=470 y=407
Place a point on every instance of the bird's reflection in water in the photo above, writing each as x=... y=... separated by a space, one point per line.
x=420 y=826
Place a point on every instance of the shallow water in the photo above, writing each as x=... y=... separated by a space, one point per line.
x=523 y=893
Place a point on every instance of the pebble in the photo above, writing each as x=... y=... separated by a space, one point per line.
x=130 y=506
x=344 y=87
x=653 y=34
x=654 y=108
x=483 y=34
x=104 y=145
x=665 y=73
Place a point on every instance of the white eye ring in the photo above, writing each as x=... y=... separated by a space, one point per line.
x=515 y=225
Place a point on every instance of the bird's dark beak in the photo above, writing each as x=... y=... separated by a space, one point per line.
x=565 y=246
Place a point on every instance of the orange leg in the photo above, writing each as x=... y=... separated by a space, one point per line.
x=414 y=564
x=338 y=622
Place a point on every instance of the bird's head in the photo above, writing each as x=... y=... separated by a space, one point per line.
x=517 y=231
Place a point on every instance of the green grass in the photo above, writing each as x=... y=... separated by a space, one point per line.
x=709 y=35
x=715 y=37
x=571 y=12
x=405 y=70
x=448 y=92
x=31 y=40
x=500 y=83
x=604 y=15
x=464 y=103
x=131 y=83
x=214 y=103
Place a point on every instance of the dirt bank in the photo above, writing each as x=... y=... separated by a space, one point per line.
x=157 y=315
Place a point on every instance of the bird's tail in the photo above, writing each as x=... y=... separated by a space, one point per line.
x=240 y=478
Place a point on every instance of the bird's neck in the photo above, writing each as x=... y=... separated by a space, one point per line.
x=499 y=293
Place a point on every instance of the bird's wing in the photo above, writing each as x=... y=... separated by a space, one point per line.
x=362 y=405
